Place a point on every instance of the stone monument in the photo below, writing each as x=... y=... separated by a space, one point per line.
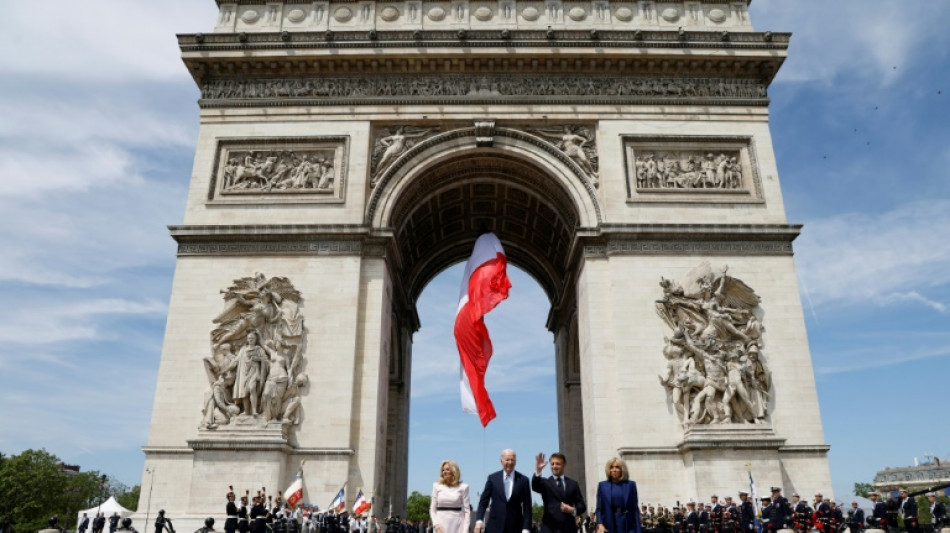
x=350 y=150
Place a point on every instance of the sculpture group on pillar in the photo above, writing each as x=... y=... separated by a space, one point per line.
x=255 y=369
x=577 y=142
x=716 y=372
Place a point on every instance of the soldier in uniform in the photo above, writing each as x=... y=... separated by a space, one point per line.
x=837 y=517
x=746 y=513
x=909 y=512
x=230 y=512
x=938 y=512
x=801 y=514
x=705 y=522
x=663 y=520
x=715 y=514
x=679 y=520
x=878 y=518
x=855 y=518
x=242 y=525
x=692 y=518
x=781 y=510
x=766 y=521
x=730 y=517
x=258 y=515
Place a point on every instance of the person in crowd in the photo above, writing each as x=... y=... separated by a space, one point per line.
x=83 y=524
x=507 y=498
x=938 y=511
x=618 y=508
x=855 y=518
x=113 y=522
x=909 y=512
x=746 y=513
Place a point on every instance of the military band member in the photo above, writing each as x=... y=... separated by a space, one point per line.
x=855 y=518
x=801 y=514
x=746 y=513
x=258 y=515
x=909 y=512
x=938 y=511
x=705 y=522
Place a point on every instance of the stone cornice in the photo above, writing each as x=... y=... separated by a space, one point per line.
x=307 y=2
x=290 y=239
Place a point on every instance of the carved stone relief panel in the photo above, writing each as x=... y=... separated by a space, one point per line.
x=691 y=169
x=716 y=371
x=256 y=367
x=280 y=170
x=391 y=142
x=577 y=142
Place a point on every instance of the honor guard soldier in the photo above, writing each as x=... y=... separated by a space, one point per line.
x=746 y=513
x=855 y=518
x=663 y=520
x=909 y=512
x=242 y=524
x=781 y=510
x=938 y=512
x=258 y=515
x=766 y=521
x=878 y=518
x=823 y=517
x=230 y=512
x=837 y=516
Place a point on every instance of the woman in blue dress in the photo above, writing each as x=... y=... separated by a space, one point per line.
x=618 y=510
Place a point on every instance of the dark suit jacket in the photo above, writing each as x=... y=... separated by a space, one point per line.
x=505 y=515
x=605 y=513
x=554 y=520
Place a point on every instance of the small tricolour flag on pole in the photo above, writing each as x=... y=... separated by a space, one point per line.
x=484 y=285
x=361 y=505
x=752 y=493
x=339 y=502
x=294 y=493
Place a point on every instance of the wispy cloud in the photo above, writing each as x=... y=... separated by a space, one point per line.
x=895 y=257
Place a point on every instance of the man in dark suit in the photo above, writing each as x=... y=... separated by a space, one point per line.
x=878 y=519
x=909 y=512
x=84 y=523
x=507 y=498
x=855 y=518
x=938 y=511
x=563 y=501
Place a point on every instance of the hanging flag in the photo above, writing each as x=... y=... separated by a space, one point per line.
x=484 y=285
x=294 y=492
x=752 y=493
x=339 y=502
x=361 y=505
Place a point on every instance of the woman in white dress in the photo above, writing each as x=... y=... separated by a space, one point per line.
x=450 y=510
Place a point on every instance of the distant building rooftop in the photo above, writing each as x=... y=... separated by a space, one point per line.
x=913 y=477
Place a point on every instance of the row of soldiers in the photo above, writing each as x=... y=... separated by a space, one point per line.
x=779 y=513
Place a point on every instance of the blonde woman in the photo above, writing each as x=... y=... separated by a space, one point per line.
x=618 y=510
x=450 y=510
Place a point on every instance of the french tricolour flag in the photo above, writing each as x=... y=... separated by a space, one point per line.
x=339 y=502
x=361 y=505
x=294 y=492
x=484 y=285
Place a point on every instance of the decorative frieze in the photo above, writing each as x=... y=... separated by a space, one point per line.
x=460 y=88
x=391 y=143
x=291 y=15
x=281 y=170
x=693 y=169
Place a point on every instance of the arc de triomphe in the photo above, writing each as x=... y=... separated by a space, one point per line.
x=350 y=151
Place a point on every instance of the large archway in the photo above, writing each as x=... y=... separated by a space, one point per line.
x=435 y=208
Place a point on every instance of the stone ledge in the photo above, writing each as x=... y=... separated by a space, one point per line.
x=730 y=436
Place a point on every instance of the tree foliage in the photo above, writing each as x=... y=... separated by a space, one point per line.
x=537 y=512
x=33 y=488
x=417 y=506
x=923 y=508
x=129 y=498
x=862 y=489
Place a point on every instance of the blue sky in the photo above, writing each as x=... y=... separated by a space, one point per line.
x=98 y=124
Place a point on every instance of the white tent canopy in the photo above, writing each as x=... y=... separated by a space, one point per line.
x=107 y=508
